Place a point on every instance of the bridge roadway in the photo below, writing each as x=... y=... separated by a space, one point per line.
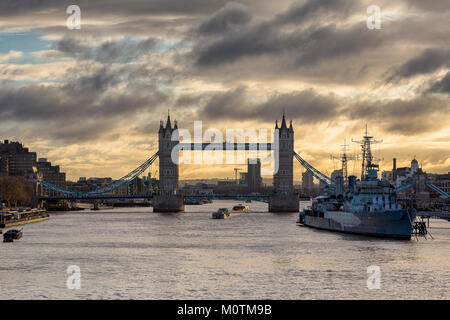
x=149 y=196
x=95 y=197
x=225 y=146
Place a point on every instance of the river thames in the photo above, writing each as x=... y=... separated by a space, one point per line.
x=132 y=253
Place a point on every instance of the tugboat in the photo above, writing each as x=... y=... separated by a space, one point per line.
x=222 y=213
x=367 y=206
x=241 y=208
x=12 y=235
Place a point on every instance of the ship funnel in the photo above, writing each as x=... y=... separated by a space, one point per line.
x=339 y=185
x=351 y=184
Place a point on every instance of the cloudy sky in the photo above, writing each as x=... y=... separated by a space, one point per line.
x=91 y=99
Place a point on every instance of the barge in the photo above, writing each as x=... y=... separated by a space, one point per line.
x=18 y=217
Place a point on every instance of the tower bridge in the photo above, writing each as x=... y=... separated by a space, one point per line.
x=283 y=199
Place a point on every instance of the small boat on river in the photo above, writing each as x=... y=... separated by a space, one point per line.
x=241 y=208
x=11 y=235
x=222 y=213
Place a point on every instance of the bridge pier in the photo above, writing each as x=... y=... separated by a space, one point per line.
x=168 y=203
x=284 y=203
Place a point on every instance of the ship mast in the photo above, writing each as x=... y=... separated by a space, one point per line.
x=367 y=157
x=344 y=158
x=344 y=163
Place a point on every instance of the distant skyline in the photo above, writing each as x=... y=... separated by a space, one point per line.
x=90 y=100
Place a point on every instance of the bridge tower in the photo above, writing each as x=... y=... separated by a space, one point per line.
x=284 y=199
x=168 y=199
x=283 y=178
x=168 y=169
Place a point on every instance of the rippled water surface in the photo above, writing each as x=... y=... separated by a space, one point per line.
x=132 y=253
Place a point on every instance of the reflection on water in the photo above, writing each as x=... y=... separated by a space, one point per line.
x=134 y=253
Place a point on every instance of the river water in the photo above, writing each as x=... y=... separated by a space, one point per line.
x=132 y=253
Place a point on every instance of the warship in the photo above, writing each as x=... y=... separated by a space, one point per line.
x=366 y=206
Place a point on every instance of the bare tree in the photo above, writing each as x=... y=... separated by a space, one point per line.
x=15 y=190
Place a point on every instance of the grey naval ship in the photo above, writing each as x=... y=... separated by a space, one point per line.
x=367 y=206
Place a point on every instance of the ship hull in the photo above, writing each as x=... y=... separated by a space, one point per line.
x=393 y=224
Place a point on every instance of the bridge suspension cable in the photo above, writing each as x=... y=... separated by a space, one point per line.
x=109 y=187
x=429 y=184
x=405 y=186
x=438 y=190
x=316 y=173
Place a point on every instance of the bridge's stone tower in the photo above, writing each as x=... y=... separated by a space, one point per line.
x=283 y=178
x=168 y=200
x=284 y=199
x=168 y=169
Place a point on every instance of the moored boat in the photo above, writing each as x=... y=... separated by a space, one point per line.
x=17 y=217
x=366 y=207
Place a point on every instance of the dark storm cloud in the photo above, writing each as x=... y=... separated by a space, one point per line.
x=113 y=7
x=306 y=10
x=331 y=42
x=232 y=104
x=432 y=5
x=430 y=60
x=441 y=86
x=118 y=17
x=42 y=103
x=188 y=100
x=318 y=42
x=399 y=108
x=311 y=40
x=138 y=26
x=70 y=112
x=93 y=83
x=109 y=51
x=413 y=116
x=309 y=45
x=232 y=15
x=255 y=40
x=76 y=132
x=303 y=106
x=401 y=116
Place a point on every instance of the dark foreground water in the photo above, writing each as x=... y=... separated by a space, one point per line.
x=132 y=253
